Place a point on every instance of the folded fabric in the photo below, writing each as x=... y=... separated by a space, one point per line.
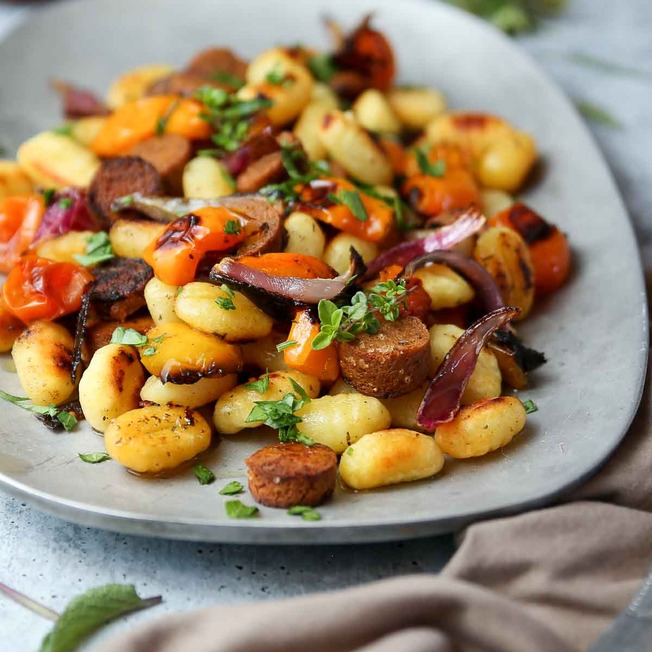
x=551 y=580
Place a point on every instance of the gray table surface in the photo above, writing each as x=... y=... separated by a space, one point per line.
x=52 y=561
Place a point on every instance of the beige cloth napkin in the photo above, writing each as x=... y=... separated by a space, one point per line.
x=551 y=580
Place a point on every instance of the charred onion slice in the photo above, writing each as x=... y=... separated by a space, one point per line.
x=277 y=295
x=77 y=102
x=483 y=283
x=442 y=400
x=470 y=222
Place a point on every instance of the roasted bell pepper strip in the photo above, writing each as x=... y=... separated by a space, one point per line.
x=175 y=255
x=322 y=364
x=39 y=288
x=549 y=249
x=144 y=118
x=20 y=217
x=289 y=264
x=432 y=195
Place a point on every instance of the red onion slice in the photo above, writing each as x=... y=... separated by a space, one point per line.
x=77 y=102
x=482 y=281
x=67 y=212
x=470 y=222
x=442 y=400
x=298 y=290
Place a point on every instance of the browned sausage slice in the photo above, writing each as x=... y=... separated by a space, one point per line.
x=284 y=475
x=118 y=289
x=212 y=62
x=267 y=169
x=169 y=154
x=121 y=176
x=390 y=363
x=181 y=83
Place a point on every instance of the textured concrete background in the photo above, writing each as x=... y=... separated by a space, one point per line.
x=52 y=561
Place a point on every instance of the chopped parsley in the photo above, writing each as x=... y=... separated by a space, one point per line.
x=230 y=79
x=436 y=169
x=226 y=303
x=65 y=203
x=237 y=509
x=277 y=77
x=203 y=474
x=48 y=195
x=232 y=227
x=352 y=200
x=64 y=130
x=343 y=323
x=162 y=122
x=322 y=67
x=131 y=337
x=234 y=487
x=530 y=406
x=94 y=458
x=597 y=114
x=305 y=512
x=98 y=249
x=261 y=385
x=288 y=344
x=65 y=418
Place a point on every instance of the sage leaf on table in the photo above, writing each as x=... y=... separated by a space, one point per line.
x=90 y=611
x=597 y=114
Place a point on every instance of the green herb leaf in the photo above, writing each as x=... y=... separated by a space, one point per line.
x=261 y=385
x=98 y=250
x=322 y=67
x=228 y=78
x=288 y=344
x=597 y=114
x=65 y=418
x=234 y=487
x=437 y=169
x=351 y=199
x=237 y=509
x=94 y=458
x=65 y=203
x=162 y=122
x=128 y=336
x=226 y=303
x=203 y=474
x=300 y=391
x=530 y=406
x=48 y=195
x=590 y=61
x=275 y=76
x=281 y=416
x=64 y=130
x=232 y=227
x=90 y=612
x=305 y=512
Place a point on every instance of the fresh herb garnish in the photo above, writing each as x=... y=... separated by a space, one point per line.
x=343 y=323
x=162 y=122
x=94 y=458
x=530 y=406
x=597 y=114
x=91 y=611
x=65 y=418
x=234 y=487
x=322 y=66
x=230 y=79
x=232 y=227
x=351 y=199
x=131 y=337
x=98 y=249
x=48 y=196
x=237 y=509
x=277 y=77
x=226 y=303
x=305 y=512
x=261 y=385
x=288 y=344
x=226 y=113
x=393 y=201
x=64 y=130
x=603 y=65
x=203 y=474
x=436 y=169
x=227 y=177
x=65 y=203
x=281 y=416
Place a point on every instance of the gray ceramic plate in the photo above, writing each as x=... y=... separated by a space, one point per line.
x=593 y=332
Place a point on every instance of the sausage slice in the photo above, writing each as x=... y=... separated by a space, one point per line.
x=267 y=169
x=169 y=154
x=213 y=61
x=180 y=83
x=121 y=176
x=390 y=363
x=284 y=475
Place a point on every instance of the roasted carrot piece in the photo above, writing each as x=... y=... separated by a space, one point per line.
x=549 y=248
x=144 y=118
x=395 y=153
x=289 y=264
x=176 y=253
x=431 y=195
x=323 y=364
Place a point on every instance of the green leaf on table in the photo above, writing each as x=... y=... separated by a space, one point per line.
x=530 y=406
x=597 y=114
x=237 y=509
x=305 y=512
x=203 y=474
x=604 y=65
x=91 y=611
x=234 y=487
x=94 y=458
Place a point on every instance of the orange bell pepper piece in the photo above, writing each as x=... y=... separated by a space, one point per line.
x=20 y=217
x=377 y=226
x=289 y=264
x=136 y=121
x=452 y=156
x=549 y=248
x=176 y=253
x=432 y=195
x=323 y=364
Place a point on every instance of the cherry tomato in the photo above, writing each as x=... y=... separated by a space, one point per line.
x=20 y=216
